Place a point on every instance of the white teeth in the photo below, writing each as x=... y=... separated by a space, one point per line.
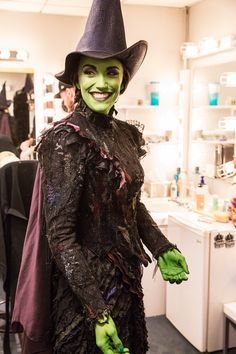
x=100 y=96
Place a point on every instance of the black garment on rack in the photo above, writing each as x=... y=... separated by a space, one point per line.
x=6 y=144
x=21 y=114
x=16 y=186
x=8 y=126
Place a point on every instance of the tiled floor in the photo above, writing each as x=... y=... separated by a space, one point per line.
x=163 y=339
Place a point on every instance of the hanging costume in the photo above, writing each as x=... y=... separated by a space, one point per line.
x=21 y=114
x=7 y=122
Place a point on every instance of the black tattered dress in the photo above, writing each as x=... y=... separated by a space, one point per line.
x=96 y=227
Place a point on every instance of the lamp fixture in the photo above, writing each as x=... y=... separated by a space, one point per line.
x=13 y=55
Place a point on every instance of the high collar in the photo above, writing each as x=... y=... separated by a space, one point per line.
x=99 y=119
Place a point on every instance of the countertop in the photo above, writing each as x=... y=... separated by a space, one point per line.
x=161 y=208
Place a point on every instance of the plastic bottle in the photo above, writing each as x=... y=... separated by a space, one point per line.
x=154 y=93
x=215 y=202
x=203 y=184
x=174 y=188
x=196 y=176
x=200 y=198
x=176 y=176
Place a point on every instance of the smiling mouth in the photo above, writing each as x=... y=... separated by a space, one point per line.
x=100 y=96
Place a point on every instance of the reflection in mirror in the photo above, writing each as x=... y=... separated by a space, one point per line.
x=213 y=125
x=54 y=106
x=17 y=118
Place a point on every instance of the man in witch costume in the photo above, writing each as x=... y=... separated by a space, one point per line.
x=85 y=288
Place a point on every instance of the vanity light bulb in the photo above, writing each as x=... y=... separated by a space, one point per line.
x=49 y=97
x=49 y=79
x=49 y=112
x=22 y=55
x=4 y=53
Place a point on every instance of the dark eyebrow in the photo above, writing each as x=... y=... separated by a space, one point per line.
x=89 y=66
x=113 y=67
x=94 y=67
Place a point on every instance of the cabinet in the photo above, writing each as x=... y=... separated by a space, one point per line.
x=196 y=306
x=212 y=128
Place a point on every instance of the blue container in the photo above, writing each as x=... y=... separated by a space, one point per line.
x=154 y=93
x=213 y=99
x=213 y=93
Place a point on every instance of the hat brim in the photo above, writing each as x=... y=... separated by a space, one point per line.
x=131 y=58
x=57 y=95
x=6 y=105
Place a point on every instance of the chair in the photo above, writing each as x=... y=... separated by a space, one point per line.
x=229 y=318
x=16 y=187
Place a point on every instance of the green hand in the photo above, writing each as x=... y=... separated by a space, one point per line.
x=173 y=266
x=107 y=338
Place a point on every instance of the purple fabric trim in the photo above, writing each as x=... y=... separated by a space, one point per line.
x=33 y=314
x=76 y=127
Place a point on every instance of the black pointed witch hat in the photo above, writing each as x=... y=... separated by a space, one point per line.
x=104 y=37
x=4 y=103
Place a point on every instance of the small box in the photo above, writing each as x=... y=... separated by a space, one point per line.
x=157 y=189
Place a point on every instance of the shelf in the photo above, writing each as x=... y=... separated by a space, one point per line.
x=161 y=142
x=215 y=108
x=137 y=107
x=223 y=142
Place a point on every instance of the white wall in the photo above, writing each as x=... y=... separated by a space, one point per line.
x=214 y=18
x=49 y=38
x=163 y=29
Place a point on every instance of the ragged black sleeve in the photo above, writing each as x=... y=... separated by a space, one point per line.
x=62 y=157
x=150 y=234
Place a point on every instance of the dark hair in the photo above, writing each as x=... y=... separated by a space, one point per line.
x=126 y=78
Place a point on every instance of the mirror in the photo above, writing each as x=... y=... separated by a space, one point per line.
x=213 y=120
x=20 y=90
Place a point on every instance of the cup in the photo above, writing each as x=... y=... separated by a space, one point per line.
x=154 y=93
x=213 y=93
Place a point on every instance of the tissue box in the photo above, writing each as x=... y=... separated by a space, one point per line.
x=157 y=189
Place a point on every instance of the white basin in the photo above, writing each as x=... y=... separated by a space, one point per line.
x=160 y=208
x=162 y=205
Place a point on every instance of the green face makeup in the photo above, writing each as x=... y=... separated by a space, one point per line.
x=100 y=82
